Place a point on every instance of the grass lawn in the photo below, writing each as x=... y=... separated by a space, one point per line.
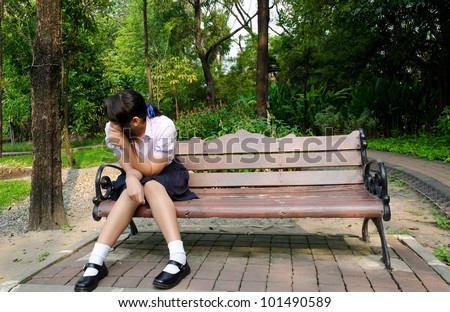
x=427 y=146
x=12 y=191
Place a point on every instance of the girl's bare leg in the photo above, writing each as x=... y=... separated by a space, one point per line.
x=164 y=213
x=163 y=210
x=118 y=220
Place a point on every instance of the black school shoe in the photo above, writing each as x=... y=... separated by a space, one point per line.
x=167 y=280
x=89 y=283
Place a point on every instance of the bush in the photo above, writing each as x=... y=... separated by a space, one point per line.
x=444 y=122
x=320 y=102
x=213 y=122
x=329 y=118
x=403 y=105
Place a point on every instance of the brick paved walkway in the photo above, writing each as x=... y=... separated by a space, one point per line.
x=259 y=262
x=263 y=262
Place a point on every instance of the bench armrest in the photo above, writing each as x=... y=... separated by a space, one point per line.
x=376 y=184
x=103 y=182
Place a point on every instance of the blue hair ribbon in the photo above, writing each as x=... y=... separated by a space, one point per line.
x=150 y=111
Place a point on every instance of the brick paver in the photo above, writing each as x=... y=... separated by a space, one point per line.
x=259 y=262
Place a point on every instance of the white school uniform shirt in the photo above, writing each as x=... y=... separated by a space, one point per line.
x=158 y=140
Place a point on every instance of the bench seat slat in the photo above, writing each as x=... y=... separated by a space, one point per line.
x=269 y=204
x=278 y=178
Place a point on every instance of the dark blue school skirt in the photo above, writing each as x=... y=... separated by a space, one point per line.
x=174 y=177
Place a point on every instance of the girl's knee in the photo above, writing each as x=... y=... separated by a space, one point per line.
x=152 y=187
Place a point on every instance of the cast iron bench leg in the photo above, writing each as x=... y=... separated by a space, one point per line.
x=384 y=247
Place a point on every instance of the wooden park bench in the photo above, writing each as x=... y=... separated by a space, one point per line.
x=248 y=175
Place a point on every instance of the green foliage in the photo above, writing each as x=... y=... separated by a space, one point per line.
x=330 y=118
x=90 y=141
x=443 y=222
x=319 y=107
x=84 y=158
x=424 y=145
x=322 y=51
x=239 y=79
x=90 y=157
x=442 y=253
x=66 y=228
x=43 y=256
x=17 y=106
x=283 y=104
x=20 y=161
x=212 y=122
x=12 y=191
x=17 y=147
x=402 y=105
x=444 y=122
x=172 y=77
x=399 y=232
x=361 y=45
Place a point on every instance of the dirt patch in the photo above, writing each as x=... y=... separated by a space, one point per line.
x=8 y=173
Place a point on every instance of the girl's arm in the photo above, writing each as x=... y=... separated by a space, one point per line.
x=145 y=167
x=132 y=158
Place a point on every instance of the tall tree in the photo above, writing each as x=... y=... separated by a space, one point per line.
x=206 y=50
x=262 y=58
x=202 y=53
x=46 y=200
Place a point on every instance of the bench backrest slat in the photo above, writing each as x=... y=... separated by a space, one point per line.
x=246 y=142
x=271 y=161
x=245 y=159
x=275 y=178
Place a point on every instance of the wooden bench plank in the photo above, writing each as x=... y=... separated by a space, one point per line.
x=324 y=190
x=271 y=161
x=273 y=206
x=246 y=142
x=278 y=178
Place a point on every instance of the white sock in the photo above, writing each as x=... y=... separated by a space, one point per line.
x=178 y=254
x=98 y=256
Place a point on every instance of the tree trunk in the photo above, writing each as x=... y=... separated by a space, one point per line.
x=147 y=58
x=262 y=58
x=210 y=92
x=203 y=55
x=46 y=201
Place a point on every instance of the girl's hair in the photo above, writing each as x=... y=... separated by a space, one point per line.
x=123 y=106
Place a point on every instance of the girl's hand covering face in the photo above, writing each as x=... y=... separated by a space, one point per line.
x=116 y=135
